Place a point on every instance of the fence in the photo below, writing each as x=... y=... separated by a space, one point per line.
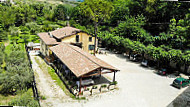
x=34 y=88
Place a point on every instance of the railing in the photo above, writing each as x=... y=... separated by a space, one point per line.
x=34 y=88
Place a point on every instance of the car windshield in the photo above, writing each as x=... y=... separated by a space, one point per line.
x=177 y=81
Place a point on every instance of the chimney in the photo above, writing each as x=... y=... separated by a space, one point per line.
x=68 y=25
x=51 y=36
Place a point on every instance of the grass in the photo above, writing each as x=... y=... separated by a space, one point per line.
x=30 y=38
x=54 y=76
x=8 y=48
x=4 y=100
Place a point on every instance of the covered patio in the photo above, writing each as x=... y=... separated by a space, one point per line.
x=77 y=64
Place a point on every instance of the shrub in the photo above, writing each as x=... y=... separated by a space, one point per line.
x=24 y=100
x=103 y=86
x=113 y=83
x=94 y=87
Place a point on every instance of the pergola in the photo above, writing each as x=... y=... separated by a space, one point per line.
x=81 y=63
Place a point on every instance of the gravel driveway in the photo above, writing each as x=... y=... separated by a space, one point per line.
x=138 y=87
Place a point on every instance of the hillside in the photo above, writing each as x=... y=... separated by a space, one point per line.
x=71 y=2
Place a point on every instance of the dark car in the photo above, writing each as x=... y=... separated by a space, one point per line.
x=163 y=71
x=135 y=57
x=181 y=82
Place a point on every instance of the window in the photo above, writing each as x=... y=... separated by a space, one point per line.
x=77 y=38
x=90 y=39
x=91 y=47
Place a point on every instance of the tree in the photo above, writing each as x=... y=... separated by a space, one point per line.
x=62 y=12
x=18 y=74
x=6 y=16
x=121 y=9
x=97 y=10
x=2 y=54
x=3 y=35
x=14 y=31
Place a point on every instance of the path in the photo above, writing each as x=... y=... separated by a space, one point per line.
x=47 y=87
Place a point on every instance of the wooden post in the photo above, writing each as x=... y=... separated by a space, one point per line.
x=70 y=76
x=100 y=72
x=95 y=31
x=80 y=85
x=114 y=77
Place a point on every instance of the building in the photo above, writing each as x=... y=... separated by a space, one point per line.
x=69 y=35
x=33 y=46
x=68 y=49
x=75 y=62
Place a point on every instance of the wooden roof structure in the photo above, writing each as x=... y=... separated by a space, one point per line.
x=47 y=39
x=79 y=61
x=64 y=32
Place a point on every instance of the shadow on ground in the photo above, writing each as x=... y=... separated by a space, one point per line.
x=101 y=80
x=183 y=100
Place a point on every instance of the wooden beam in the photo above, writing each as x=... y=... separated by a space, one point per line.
x=80 y=85
x=114 y=77
x=99 y=73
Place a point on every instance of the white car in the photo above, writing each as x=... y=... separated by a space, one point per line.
x=34 y=52
x=85 y=82
x=144 y=63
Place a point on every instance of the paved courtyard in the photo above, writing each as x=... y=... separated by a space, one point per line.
x=138 y=87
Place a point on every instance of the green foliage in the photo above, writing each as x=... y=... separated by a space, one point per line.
x=14 y=32
x=2 y=54
x=157 y=53
x=18 y=74
x=6 y=16
x=34 y=27
x=95 y=10
x=3 y=35
x=62 y=12
x=131 y=27
x=113 y=83
x=24 y=100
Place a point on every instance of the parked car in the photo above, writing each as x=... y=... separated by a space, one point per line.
x=144 y=63
x=85 y=82
x=181 y=82
x=163 y=71
x=36 y=52
x=135 y=57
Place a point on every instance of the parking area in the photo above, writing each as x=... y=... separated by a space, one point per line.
x=138 y=86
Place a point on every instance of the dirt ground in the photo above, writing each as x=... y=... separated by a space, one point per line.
x=47 y=88
x=138 y=87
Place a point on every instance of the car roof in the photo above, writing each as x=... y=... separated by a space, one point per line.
x=181 y=79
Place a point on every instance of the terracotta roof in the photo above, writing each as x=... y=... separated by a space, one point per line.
x=47 y=39
x=77 y=60
x=64 y=32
